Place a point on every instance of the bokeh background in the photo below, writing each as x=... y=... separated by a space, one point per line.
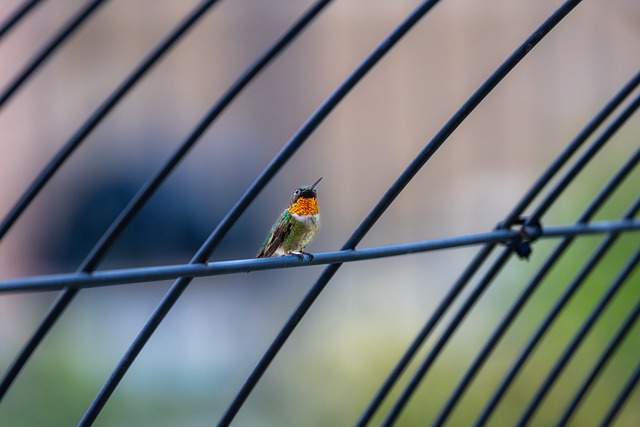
x=369 y=313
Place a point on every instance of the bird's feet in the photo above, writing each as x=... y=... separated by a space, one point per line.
x=301 y=254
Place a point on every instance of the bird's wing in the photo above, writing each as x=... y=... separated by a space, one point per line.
x=278 y=233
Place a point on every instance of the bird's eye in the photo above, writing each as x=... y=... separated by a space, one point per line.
x=295 y=193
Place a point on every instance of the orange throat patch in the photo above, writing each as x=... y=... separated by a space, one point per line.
x=305 y=206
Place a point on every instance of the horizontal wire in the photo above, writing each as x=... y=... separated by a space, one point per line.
x=385 y=201
x=67 y=296
x=510 y=316
x=210 y=244
x=150 y=274
x=551 y=316
x=587 y=214
x=535 y=189
x=480 y=94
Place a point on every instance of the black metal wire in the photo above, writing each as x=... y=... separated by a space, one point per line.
x=607 y=354
x=591 y=263
x=217 y=235
x=503 y=234
x=87 y=127
x=310 y=297
x=497 y=335
x=557 y=369
x=539 y=211
x=69 y=29
x=493 y=80
x=584 y=330
x=19 y=14
x=84 y=280
x=541 y=330
x=478 y=261
x=50 y=169
x=626 y=391
x=388 y=198
x=586 y=215
x=573 y=147
x=205 y=251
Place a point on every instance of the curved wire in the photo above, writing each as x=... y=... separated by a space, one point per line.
x=95 y=256
x=503 y=326
x=486 y=279
x=590 y=264
x=626 y=391
x=210 y=244
x=573 y=147
x=65 y=298
x=69 y=29
x=347 y=253
x=583 y=332
x=590 y=211
x=560 y=304
x=388 y=198
x=384 y=202
x=108 y=388
x=479 y=259
x=607 y=354
x=460 y=115
x=87 y=127
x=19 y=14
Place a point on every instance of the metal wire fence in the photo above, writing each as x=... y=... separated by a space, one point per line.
x=517 y=233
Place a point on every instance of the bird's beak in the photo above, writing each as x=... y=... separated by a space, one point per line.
x=313 y=186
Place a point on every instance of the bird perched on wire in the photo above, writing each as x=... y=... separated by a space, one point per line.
x=296 y=227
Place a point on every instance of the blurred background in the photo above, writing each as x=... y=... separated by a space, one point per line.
x=358 y=328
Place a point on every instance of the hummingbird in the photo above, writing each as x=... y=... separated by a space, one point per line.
x=296 y=227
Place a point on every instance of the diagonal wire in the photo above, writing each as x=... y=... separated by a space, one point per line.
x=204 y=252
x=580 y=139
x=20 y=13
x=87 y=127
x=504 y=69
x=65 y=298
x=590 y=211
x=70 y=28
x=584 y=330
x=575 y=343
x=545 y=204
x=134 y=206
x=207 y=248
x=388 y=198
x=605 y=358
x=554 y=193
x=489 y=346
x=100 y=255
x=628 y=388
x=589 y=265
x=544 y=179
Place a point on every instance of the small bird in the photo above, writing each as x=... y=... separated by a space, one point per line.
x=296 y=227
